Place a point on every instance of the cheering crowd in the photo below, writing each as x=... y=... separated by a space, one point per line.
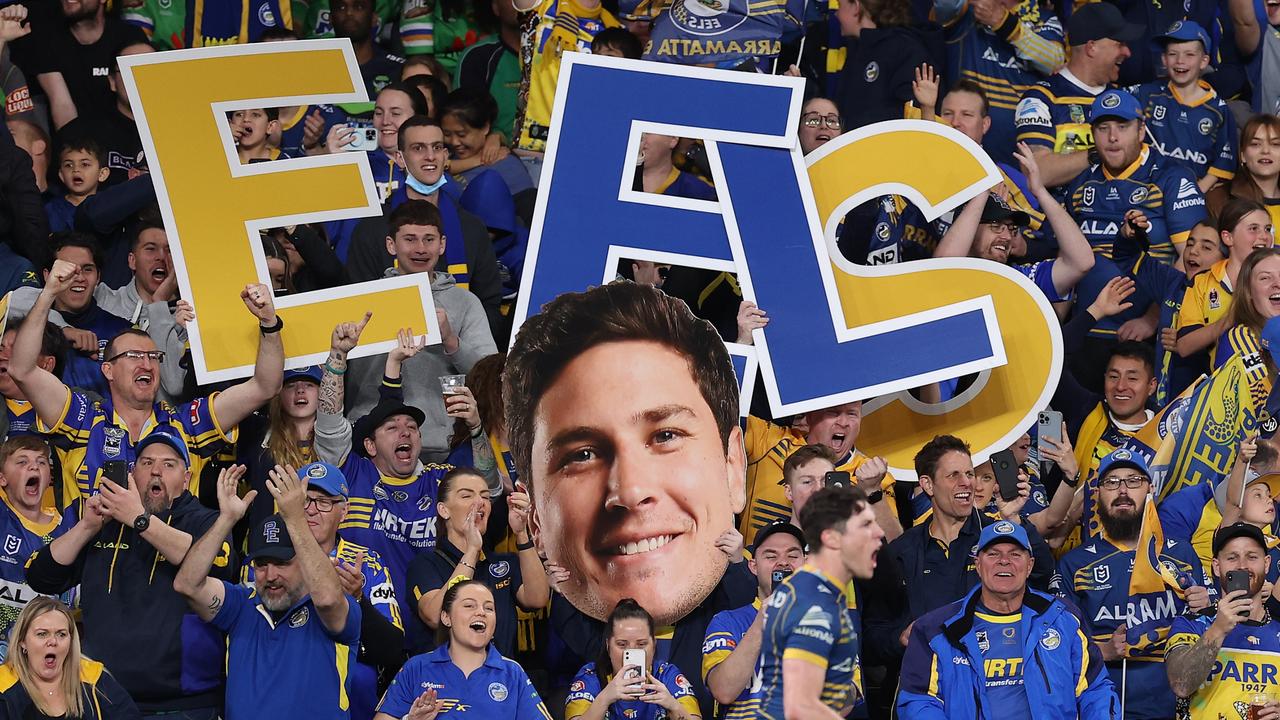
x=576 y=522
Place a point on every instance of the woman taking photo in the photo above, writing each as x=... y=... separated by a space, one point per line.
x=466 y=666
x=608 y=690
x=45 y=677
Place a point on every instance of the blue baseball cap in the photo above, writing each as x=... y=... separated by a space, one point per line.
x=167 y=435
x=326 y=477
x=1003 y=531
x=1123 y=458
x=1185 y=31
x=1115 y=104
x=310 y=372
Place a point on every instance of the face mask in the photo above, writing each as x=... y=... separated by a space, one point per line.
x=424 y=189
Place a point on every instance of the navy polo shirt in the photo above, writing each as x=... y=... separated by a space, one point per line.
x=286 y=667
x=497 y=690
x=432 y=570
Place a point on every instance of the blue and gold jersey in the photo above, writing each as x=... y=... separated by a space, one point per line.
x=22 y=538
x=1191 y=515
x=497 y=690
x=1095 y=576
x=806 y=619
x=1054 y=113
x=1003 y=665
x=1166 y=194
x=292 y=128
x=1200 y=135
x=588 y=683
x=1207 y=301
x=724 y=632
x=1247 y=663
x=1237 y=340
x=22 y=417
x=95 y=435
x=1005 y=65
x=394 y=517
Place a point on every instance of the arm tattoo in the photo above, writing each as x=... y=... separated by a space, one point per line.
x=331 y=385
x=1188 y=668
x=482 y=453
x=215 y=604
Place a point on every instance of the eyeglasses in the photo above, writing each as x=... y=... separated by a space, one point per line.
x=323 y=504
x=998 y=227
x=152 y=355
x=1133 y=482
x=816 y=120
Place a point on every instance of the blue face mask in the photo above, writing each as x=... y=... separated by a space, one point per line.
x=422 y=188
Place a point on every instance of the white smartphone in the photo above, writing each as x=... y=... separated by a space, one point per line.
x=366 y=140
x=634 y=658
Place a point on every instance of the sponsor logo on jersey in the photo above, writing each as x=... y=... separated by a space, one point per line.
x=1138 y=196
x=113 y=438
x=815 y=616
x=1187 y=189
x=1086 y=198
x=500 y=569
x=265 y=16
x=1205 y=127
x=1032 y=111
x=1102 y=574
x=984 y=644
x=12 y=544
x=1157 y=113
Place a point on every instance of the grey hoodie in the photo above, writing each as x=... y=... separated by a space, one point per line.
x=419 y=374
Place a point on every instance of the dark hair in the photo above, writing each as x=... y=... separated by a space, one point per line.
x=1264 y=460
x=115 y=61
x=416 y=101
x=416 y=121
x=887 y=13
x=446 y=605
x=272 y=248
x=927 y=459
x=414 y=212
x=804 y=455
x=573 y=323
x=149 y=219
x=1134 y=350
x=430 y=90
x=1242 y=310
x=84 y=143
x=965 y=85
x=110 y=350
x=485 y=383
x=278 y=32
x=829 y=509
x=22 y=442
x=626 y=609
x=451 y=478
x=73 y=239
x=473 y=107
x=620 y=39
x=52 y=344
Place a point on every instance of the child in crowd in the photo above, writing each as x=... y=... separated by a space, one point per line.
x=82 y=167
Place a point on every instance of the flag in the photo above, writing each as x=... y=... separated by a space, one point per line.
x=722 y=33
x=1153 y=585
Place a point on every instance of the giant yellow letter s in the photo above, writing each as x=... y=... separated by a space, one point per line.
x=213 y=206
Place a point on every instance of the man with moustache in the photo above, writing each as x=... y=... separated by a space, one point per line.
x=1221 y=661
x=1095 y=576
x=809 y=662
x=622 y=414
x=1004 y=648
x=292 y=640
x=123 y=546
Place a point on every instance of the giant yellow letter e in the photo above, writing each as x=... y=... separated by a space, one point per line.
x=213 y=206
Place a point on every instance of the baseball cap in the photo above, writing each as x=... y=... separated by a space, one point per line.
x=1123 y=458
x=780 y=526
x=310 y=372
x=325 y=477
x=1185 y=31
x=1003 y=531
x=997 y=210
x=385 y=409
x=1115 y=104
x=167 y=435
x=1099 y=21
x=1237 y=530
x=271 y=540
x=1271 y=480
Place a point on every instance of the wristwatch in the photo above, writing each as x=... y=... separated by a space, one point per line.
x=875 y=497
x=142 y=522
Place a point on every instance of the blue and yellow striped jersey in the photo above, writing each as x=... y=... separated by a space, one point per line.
x=1167 y=194
x=724 y=632
x=1054 y=113
x=806 y=619
x=588 y=683
x=1200 y=135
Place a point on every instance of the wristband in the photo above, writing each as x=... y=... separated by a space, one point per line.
x=477 y=432
x=1094 y=157
x=875 y=497
x=272 y=328
x=464 y=563
x=331 y=369
x=1072 y=482
x=522 y=546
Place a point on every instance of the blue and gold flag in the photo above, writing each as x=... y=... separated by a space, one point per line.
x=723 y=33
x=1153 y=585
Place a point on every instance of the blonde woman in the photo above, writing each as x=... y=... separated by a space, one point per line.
x=46 y=678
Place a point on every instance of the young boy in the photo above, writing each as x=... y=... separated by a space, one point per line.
x=251 y=128
x=82 y=166
x=1187 y=120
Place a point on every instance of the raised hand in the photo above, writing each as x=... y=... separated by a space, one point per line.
x=925 y=87
x=407 y=344
x=230 y=504
x=462 y=404
x=346 y=335
x=258 y=298
x=1111 y=299
x=62 y=275
x=13 y=23
x=750 y=317
x=289 y=491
